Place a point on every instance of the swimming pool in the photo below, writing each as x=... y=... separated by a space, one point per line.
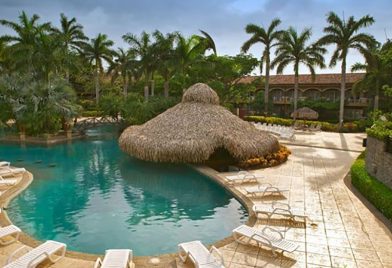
x=91 y=196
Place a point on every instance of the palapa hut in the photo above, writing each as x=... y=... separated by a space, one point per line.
x=305 y=113
x=193 y=130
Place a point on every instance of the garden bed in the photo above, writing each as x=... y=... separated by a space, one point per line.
x=372 y=189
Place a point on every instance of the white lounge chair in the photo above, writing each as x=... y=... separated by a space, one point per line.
x=243 y=176
x=10 y=230
x=200 y=255
x=264 y=189
x=11 y=171
x=116 y=258
x=281 y=209
x=37 y=255
x=7 y=181
x=4 y=164
x=268 y=237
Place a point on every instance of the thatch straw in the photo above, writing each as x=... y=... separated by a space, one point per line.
x=192 y=130
x=305 y=113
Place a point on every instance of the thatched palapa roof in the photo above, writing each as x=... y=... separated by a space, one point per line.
x=305 y=113
x=193 y=130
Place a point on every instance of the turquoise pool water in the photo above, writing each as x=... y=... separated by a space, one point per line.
x=92 y=196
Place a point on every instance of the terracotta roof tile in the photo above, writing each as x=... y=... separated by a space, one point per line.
x=307 y=79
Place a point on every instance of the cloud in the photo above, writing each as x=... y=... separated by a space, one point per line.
x=225 y=20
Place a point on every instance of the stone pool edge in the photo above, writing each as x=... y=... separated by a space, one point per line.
x=140 y=261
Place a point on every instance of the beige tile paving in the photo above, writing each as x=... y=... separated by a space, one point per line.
x=347 y=234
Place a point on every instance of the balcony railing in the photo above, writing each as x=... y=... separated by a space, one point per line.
x=361 y=102
x=282 y=100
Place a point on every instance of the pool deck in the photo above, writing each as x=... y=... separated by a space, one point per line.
x=346 y=232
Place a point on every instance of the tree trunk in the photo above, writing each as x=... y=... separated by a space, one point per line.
x=295 y=95
x=342 y=93
x=126 y=82
x=152 y=87
x=146 y=91
x=266 y=86
x=96 y=87
x=166 y=88
x=67 y=75
x=377 y=96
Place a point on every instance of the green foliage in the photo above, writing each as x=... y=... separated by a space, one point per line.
x=325 y=126
x=376 y=192
x=38 y=107
x=137 y=111
x=91 y=113
x=111 y=104
x=382 y=128
x=318 y=105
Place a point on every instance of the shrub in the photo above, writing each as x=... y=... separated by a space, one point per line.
x=325 y=126
x=372 y=189
x=91 y=113
x=137 y=111
x=269 y=160
x=380 y=130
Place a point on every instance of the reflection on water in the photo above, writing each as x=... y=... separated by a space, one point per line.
x=96 y=197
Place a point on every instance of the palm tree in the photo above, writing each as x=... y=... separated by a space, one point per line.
x=207 y=42
x=71 y=37
x=292 y=49
x=164 y=49
x=124 y=66
x=269 y=38
x=96 y=52
x=186 y=52
x=143 y=49
x=24 y=42
x=345 y=36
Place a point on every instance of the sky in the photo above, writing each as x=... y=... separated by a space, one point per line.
x=224 y=20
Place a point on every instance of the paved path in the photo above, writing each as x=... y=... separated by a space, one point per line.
x=347 y=234
x=331 y=140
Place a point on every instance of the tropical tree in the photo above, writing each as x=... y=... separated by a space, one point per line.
x=98 y=51
x=71 y=38
x=143 y=48
x=293 y=49
x=207 y=42
x=123 y=65
x=345 y=35
x=269 y=38
x=23 y=44
x=187 y=52
x=166 y=61
x=375 y=73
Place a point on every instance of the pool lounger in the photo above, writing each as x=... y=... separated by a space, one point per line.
x=268 y=237
x=11 y=171
x=243 y=176
x=4 y=164
x=200 y=255
x=264 y=189
x=116 y=258
x=281 y=209
x=37 y=255
x=10 y=230
x=7 y=181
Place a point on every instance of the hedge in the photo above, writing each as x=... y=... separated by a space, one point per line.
x=91 y=113
x=325 y=126
x=372 y=189
x=380 y=130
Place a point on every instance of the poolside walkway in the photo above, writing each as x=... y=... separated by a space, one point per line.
x=346 y=232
